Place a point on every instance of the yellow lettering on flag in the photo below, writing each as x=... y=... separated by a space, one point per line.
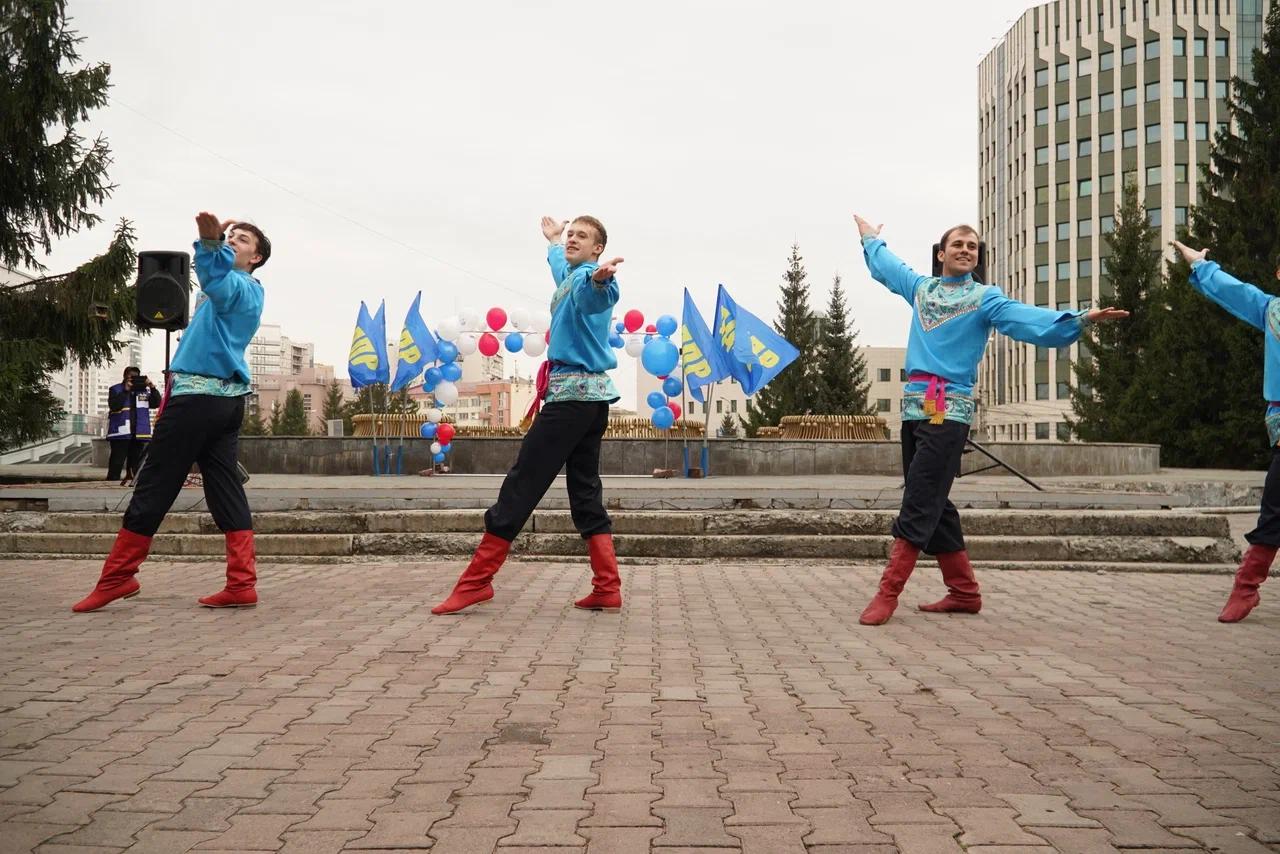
x=362 y=351
x=409 y=351
x=767 y=357
x=695 y=362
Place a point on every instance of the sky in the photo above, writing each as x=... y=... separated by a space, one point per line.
x=396 y=147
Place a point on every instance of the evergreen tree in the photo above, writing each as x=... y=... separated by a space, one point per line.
x=795 y=391
x=729 y=426
x=49 y=179
x=1110 y=397
x=335 y=407
x=276 y=422
x=1207 y=389
x=252 y=425
x=294 y=420
x=843 y=383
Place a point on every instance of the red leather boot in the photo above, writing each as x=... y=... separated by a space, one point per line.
x=242 y=574
x=902 y=559
x=962 y=588
x=1244 y=593
x=473 y=585
x=117 y=581
x=606 y=586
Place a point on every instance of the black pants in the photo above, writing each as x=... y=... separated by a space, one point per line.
x=1267 y=533
x=195 y=428
x=930 y=462
x=565 y=435
x=125 y=454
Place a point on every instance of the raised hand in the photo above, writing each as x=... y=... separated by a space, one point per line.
x=552 y=228
x=606 y=271
x=867 y=229
x=1099 y=315
x=1190 y=255
x=209 y=228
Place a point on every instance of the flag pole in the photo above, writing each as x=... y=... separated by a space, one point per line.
x=684 y=411
x=706 y=461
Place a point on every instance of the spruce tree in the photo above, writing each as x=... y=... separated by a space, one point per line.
x=795 y=390
x=294 y=420
x=276 y=422
x=335 y=407
x=729 y=426
x=252 y=425
x=843 y=383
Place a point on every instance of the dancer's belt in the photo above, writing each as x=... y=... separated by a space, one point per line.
x=935 y=396
x=540 y=389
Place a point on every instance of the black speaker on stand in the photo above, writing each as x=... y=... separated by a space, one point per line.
x=164 y=294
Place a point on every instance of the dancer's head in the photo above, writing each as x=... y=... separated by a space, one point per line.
x=584 y=240
x=251 y=246
x=958 y=250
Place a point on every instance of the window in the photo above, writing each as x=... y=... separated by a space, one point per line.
x=1042 y=273
x=1064 y=151
x=1084 y=268
x=1179 y=216
x=1064 y=231
x=1042 y=76
x=1064 y=352
x=1153 y=217
x=1179 y=88
x=1219 y=47
x=1153 y=50
x=1129 y=55
x=1153 y=91
x=1084 y=106
x=1042 y=195
x=1064 y=269
x=1064 y=429
x=1179 y=46
x=1222 y=127
x=1179 y=173
x=886 y=375
x=1042 y=155
x=1042 y=116
x=1084 y=228
x=1107 y=183
x=720 y=407
x=1042 y=354
x=1200 y=46
x=1084 y=66
x=1153 y=132
x=1153 y=175
x=1042 y=427
x=1129 y=96
x=1106 y=224
x=1130 y=177
x=1084 y=187
x=1042 y=234
x=1084 y=147
x=1064 y=71
x=902 y=374
x=882 y=404
x=1106 y=61
x=1064 y=111
x=733 y=406
x=1107 y=142
x=1106 y=102
x=1064 y=191
x=1130 y=137
x=1202 y=131
x=1220 y=90
x=1064 y=390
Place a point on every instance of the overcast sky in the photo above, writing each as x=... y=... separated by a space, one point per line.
x=392 y=147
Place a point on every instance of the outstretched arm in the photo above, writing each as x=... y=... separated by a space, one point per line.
x=1245 y=301
x=552 y=229
x=215 y=261
x=1042 y=326
x=597 y=292
x=886 y=268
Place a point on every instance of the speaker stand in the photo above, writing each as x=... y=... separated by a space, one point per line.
x=997 y=463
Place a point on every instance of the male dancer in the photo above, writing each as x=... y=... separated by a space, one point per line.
x=204 y=406
x=1262 y=311
x=568 y=430
x=952 y=318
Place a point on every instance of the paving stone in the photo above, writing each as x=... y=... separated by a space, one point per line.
x=1046 y=811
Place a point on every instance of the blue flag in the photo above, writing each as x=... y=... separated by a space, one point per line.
x=755 y=353
x=417 y=347
x=701 y=360
x=379 y=336
x=367 y=361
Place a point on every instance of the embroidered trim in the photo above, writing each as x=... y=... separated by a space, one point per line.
x=1273 y=318
x=937 y=303
x=960 y=407
x=581 y=385
x=216 y=386
x=1273 y=424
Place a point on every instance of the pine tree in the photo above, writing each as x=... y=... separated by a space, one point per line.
x=252 y=425
x=843 y=383
x=294 y=420
x=276 y=422
x=1110 y=397
x=1207 y=388
x=49 y=179
x=729 y=426
x=795 y=390
x=335 y=407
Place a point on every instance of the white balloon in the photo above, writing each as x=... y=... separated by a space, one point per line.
x=434 y=415
x=635 y=346
x=534 y=345
x=540 y=320
x=449 y=328
x=467 y=343
x=447 y=393
x=519 y=318
x=470 y=319
x=435 y=447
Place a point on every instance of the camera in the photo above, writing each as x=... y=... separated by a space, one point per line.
x=138 y=383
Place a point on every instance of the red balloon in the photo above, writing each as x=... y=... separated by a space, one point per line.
x=632 y=320
x=547 y=337
x=496 y=318
x=444 y=433
x=651 y=329
x=488 y=344
x=671 y=404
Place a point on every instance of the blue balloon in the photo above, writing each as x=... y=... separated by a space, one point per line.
x=659 y=357
x=428 y=430
x=447 y=351
x=515 y=342
x=672 y=386
x=616 y=342
x=649 y=336
x=431 y=377
x=439 y=458
x=451 y=372
x=619 y=327
x=656 y=399
x=663 y=418
x=666 y=325
x=444 y=449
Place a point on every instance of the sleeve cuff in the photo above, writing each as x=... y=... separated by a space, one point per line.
x=211 y=245
x=1198 y=262
x=1083 y=317
x=867 y=238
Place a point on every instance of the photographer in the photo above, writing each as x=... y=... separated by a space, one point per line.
x=130 y=405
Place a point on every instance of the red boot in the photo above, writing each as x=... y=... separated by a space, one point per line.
x=117 y=581
x=606 y=586
x=902 y=559
x=1244 y=593
x=962 y=588
x=242 y=574
x=473 y=586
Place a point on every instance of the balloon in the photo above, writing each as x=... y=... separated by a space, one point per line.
x=438 y=458
x=546 y=337
x=447 y=393
x=446 y=351
x=633 y=320
x=519 y=318
x=672 y=386
x=467 y=343
x=451 y=372
x=663 y=418
x=651 y=329
x=444 y=449
x=675 y=408
x=470 y=319
x=656 y=399
x=659 y=356
x=534 y=346
x=648 y=336
x=434 y=415
x=540 y=320
x=431 y=378
x=435 y=447
x=635 y=347
x=616 y=342
x=514 y=342
x=488 y=344
x=666 y=325
x=428 y=431
x=496 y=318
x=449 y=328
x=619 y=326
x=445 y=433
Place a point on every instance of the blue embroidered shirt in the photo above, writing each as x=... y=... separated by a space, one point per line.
x=1260 y=310
x=952 y=319
x=579 y=350
x=223 y=324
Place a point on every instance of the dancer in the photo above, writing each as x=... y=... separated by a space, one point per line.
x=567 y=431
x=203 y=408
x=1262 y=311
x=952 y=318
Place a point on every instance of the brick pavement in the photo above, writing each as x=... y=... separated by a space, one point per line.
x=728 y=708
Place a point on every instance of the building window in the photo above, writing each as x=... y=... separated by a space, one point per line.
x=1064 y=191
x=1042 y=427
x=1153 y=50
x=1179 y=216
x=1129 y=138
x=1153 y=133
x=1042 y=234
x=1153 y=91
x=1064 y=431
x=1129 y=96
x=1106 y=224
x=1042 y=76
x=1064 y=151
x=1084 y=147
x=1042 y=195
x=1042 y=354
x=1042 y=116
x=1129 y=55
x=719 y=406
x=1064 y=111
x=1106 y=61
x=1084 y=187
x=1042 y=272
x=1153 y=175
x=1084 y=228
x=1153 y=217
x=1220 y=47
x=1042 y=391
x=1107 y=142
x=1064 y=269
x=733 y=406
x=1064 y=71
x=1084 y=268
x=1202 y=131
x=1200 y=47
x=902 y=374
x=1042 y=155
x=1064 y=390
x=1180 y=173
x=1179 y=46
x=1179 y=89
x=882 y=404
x=885 y=375
x=1179 y=131
x=1220 y=90
x=1084 y=67
x=1084 y=106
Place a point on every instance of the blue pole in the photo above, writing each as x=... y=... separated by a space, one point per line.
x=706 y=468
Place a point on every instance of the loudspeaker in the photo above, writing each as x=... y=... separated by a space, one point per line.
x=164 y=290
x=979 y=271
